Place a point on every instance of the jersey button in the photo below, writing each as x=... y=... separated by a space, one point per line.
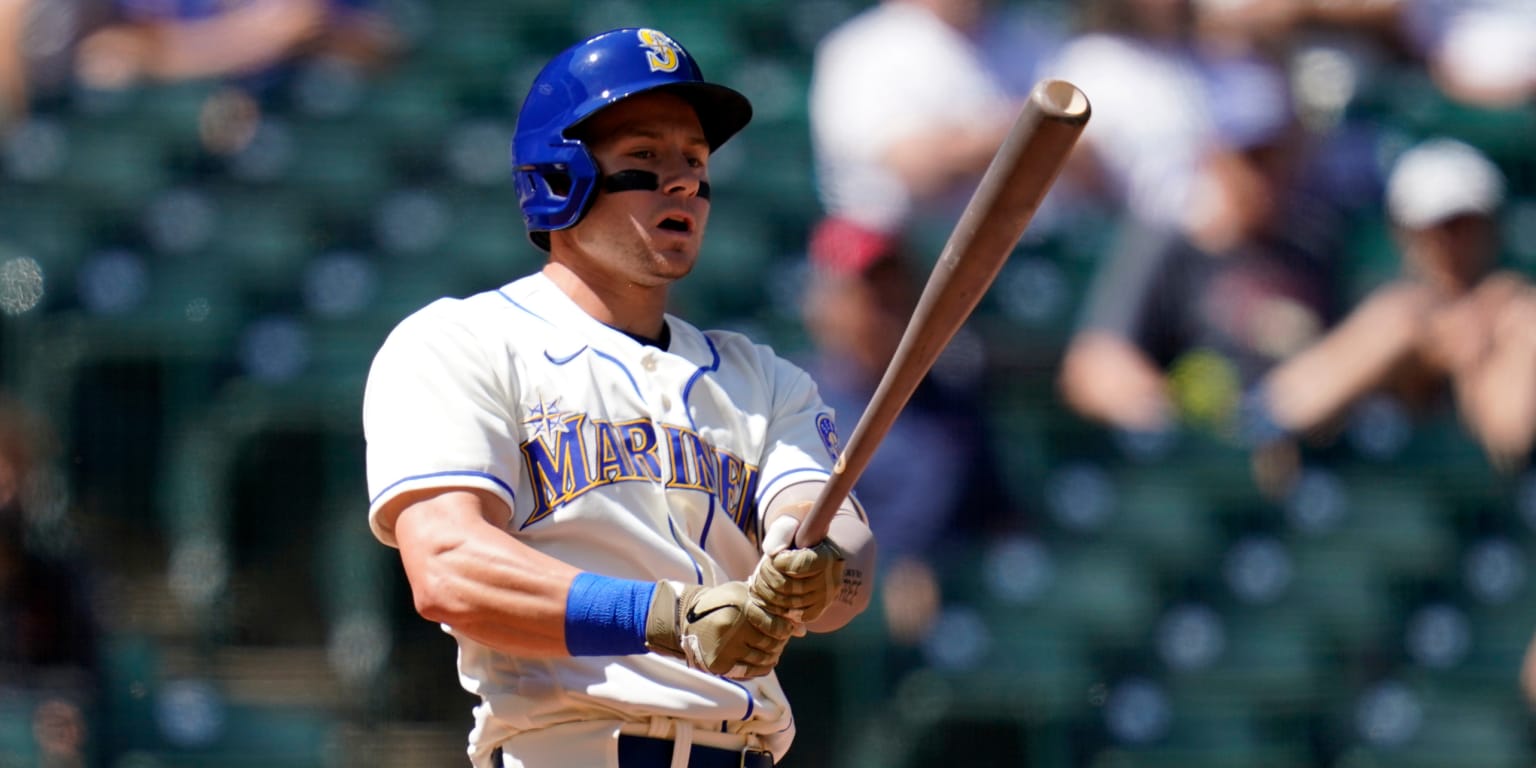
x=648 y=362
x=666 y=402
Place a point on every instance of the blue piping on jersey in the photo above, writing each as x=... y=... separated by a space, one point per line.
x=762 y=487
x=688 y=388
x=563 y=360
x=451 y=473
x=697 y=571
x=604 y=355
x=622 y=367
x=751 y=702
x=523 y=308
x=709 y=518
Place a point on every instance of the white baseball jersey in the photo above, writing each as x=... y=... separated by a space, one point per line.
x=616 y=457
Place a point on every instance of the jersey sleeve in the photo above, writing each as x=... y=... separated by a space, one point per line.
x=803 y=441
x=435 y=415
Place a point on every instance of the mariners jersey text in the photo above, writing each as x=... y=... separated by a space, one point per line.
x=572 y=454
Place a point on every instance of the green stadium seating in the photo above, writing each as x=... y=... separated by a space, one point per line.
x=338 y=166
x=47 y=225
x=1274 y=661
x=111 y=166
x=17 y=746
x=1345 y=592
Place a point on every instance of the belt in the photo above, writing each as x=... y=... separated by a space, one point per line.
x=642 y=752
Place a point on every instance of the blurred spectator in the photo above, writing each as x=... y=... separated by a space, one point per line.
x=1182 y=319
x=934 y=478
x=1479 y=52
x=169 y=40
x=37 y=42
x=904 y=112
x=48 y=630
x=1139 y=64
x=1453 y=323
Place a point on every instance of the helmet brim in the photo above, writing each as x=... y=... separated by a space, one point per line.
x=722 y=111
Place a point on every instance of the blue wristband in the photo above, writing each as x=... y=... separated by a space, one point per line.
x=605 y=616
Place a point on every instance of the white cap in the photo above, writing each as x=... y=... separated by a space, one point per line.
x=1440 y=179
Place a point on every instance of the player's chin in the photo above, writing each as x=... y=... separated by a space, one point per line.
x=675 y=255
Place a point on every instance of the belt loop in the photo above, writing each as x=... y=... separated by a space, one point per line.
x=682 y=743
x=742 y=763
x=659 y=728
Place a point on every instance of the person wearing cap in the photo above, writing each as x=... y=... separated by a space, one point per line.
x=935 y=477
x=1452 y=321
x=594 y=497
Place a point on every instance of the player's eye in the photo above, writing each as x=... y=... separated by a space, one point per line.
x=642 y=154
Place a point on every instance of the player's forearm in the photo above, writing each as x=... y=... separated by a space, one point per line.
x=485 y=584
x=857 y=542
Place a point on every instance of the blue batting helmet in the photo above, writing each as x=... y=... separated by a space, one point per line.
x=555 y=174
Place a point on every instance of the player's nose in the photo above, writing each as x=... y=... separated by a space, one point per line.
x=682 y=177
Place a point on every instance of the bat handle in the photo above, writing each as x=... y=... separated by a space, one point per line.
x=813 y=527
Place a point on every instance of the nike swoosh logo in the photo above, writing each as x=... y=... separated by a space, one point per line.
x=563 y=360
x=692 y=617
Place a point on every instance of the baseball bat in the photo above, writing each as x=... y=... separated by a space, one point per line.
x=1022 y=171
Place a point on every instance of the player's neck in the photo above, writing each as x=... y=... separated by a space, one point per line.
x=636 y=310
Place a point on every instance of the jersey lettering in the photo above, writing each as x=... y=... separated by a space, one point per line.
x=559 y=472
x=574 y=455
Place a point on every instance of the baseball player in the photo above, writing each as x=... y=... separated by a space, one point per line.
x=594 y=497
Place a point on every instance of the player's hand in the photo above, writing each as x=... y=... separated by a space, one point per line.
x=720 y=629
x=797 y=583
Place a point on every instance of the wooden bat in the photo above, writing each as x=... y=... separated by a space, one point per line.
x=1021 y=172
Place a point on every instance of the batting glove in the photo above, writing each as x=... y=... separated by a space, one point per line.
x=718 y=629
x=797 y=583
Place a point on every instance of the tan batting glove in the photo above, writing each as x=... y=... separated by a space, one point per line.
x=718 y=629
x=799 y=583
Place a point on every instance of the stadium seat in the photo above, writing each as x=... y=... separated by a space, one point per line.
x=1395 y=520
x=47 y=225
x=1273 y=660
x=1345 y=592
x=339 y=165
x=17 y=746
x=262 y=239
x=410 y=112
x=1169 y=519
x=1451 y=728
x=112 y=166
x=1104 y=595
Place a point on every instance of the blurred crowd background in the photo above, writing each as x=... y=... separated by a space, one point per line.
x=1229 y=468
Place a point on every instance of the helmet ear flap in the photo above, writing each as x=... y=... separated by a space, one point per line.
x=557 y=194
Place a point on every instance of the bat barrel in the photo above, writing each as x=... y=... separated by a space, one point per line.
x=1010 y=191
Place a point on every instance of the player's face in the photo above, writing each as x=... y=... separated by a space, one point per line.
x=646 y=237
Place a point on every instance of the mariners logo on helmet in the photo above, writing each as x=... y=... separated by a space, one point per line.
x=660 y=51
